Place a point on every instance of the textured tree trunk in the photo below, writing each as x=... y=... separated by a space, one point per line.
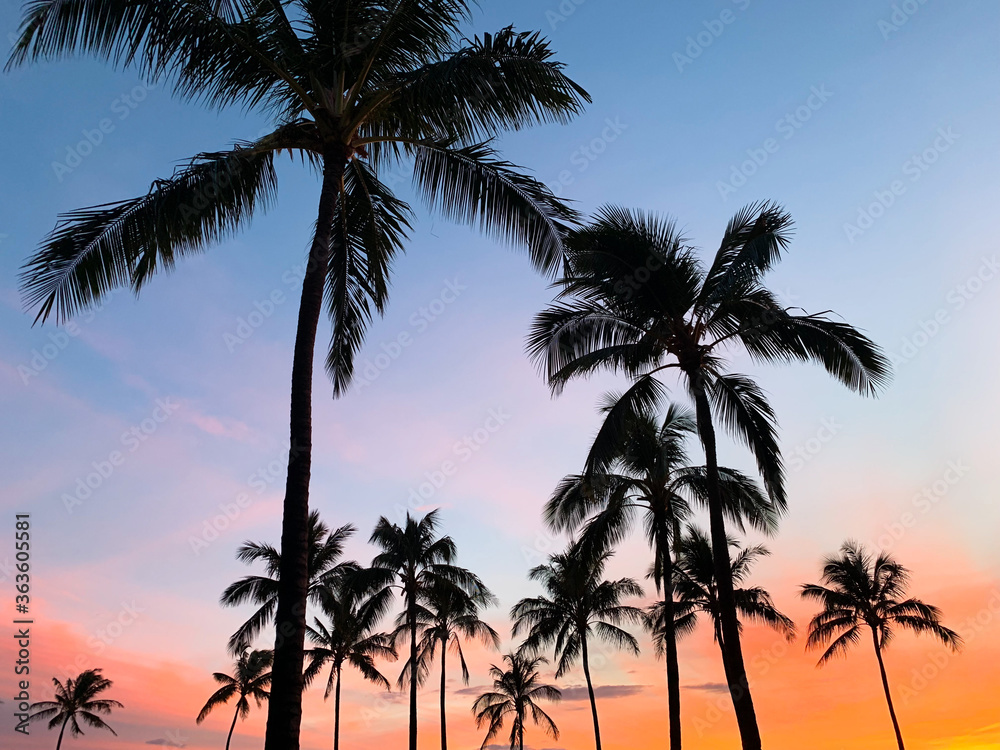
x=885 y=687
x=284 y=714
x=444 y=721
x=590 y=690
x=736 y=673
x=670 y=637
x=61 y=730
x=336 y=712
x=412 y=617
x=232 y=726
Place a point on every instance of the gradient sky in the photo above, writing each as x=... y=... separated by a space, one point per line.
x=119 y=583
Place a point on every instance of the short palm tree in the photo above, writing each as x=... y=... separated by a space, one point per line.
x=697 y=592
x=864 y=590
x=251 y=679
x=353 y=89
x=413 y=560
x=636 y=299
x=445 y=615
x=349 y=640
x=645 y=469
x=76 y=700
x=326 y=569
x=516 y=693
x=578 y=606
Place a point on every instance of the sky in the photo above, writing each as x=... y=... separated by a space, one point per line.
x=873 y=123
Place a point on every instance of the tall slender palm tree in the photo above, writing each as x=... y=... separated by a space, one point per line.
x=516 y=693
x=325 y=567
x=74 y=701
x=636 y=299
x=250 y=679
x=445 y=615
x=353 y=88
x=866 y=590
x=647 y=470
x=579 y=605
x=414 y=559
x=697 y=592
x=349 y=640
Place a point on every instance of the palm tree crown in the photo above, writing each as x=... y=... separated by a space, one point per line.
x=77 y=700
x=516 y=693
x=251 y=679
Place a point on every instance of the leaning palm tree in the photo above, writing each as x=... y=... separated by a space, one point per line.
x=636 y=299
x=76 y=700
x=349 y=640
x=251 y=680
x=578 y=607
x=647 y=471
x=445 y=615
x=413 y=560
x=866 y=590
x=697 y=592
x=516 y=692
x=325 y=568
x=354 y=89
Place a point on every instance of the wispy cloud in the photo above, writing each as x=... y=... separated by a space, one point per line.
x=579 y=692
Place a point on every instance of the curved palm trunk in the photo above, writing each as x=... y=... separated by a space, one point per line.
x=412 y=617
x=885 y=686
x=232 y=726
x=590 y=690
x=284 y=713
x=336 y=712
x=670 y=638
x=736 y=673
x=444 y=721
x=61 y=730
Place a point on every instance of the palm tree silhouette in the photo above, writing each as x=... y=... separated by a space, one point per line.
x=74 y=701
x=516 y=692
x=326 y=569
x=645 y=469
x=865 y=590
x=413 y=559
x=578 y=606
x=697 y=592
x=445 y=615
x=353 y=89
x=348 y=640
x=251 y=678
x=635 y=299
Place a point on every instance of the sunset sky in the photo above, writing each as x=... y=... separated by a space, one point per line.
x=827 y=108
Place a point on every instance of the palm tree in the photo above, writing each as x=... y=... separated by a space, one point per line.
x=353 y=88
x=579 y=605
x=636 y=299
x=646 y=469
x=251 y=679
x=697 y=592
x=413 y=560
x=445 y=615
x=349 y=640
x=325 y=567
x=866 y=590
x=77 y=699
x=516 y=692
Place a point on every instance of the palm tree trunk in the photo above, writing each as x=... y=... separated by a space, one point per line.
x=412 y=617
x=61 y=730
x=444 y=722
x=590 y=690
x=736 y=673
x=670 y=639
x=885 y=686
x=284 y=713
x=336 y=712
x=232 y=726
